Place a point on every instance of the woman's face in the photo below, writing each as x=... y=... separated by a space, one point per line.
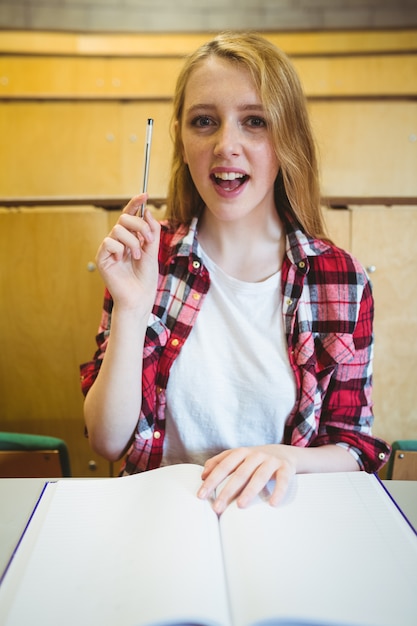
x=226 y=141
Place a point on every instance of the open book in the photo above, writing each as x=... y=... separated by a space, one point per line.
x=145 y=551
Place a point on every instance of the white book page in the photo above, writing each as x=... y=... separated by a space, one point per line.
x=337 y=551
x=136 y=551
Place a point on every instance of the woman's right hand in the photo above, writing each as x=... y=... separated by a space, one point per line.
x=127 y=259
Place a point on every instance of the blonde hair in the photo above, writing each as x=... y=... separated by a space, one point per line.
x=297 y=185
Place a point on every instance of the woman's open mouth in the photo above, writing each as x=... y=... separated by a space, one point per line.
x=229 y=181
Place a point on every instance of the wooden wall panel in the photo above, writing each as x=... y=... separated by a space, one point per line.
x=49 y=317
x=73 y=111
x=384 y=239
x=367 y=147
x=88 y=77
x=137 y=77
x=72 y=121
x=373 y=75
x=338 y=224
x=81 y=148
x=163 y=44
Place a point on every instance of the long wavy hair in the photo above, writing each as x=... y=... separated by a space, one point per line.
x=297 y=186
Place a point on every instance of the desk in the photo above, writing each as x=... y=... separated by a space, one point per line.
x=19 y=495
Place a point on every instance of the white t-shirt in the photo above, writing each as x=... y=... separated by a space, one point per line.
x=231 y=384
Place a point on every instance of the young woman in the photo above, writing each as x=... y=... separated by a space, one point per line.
x=234 y=334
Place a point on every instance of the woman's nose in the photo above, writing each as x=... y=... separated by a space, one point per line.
x=228 y=140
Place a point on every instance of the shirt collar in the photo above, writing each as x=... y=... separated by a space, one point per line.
x=299 y=245
x=184 y=239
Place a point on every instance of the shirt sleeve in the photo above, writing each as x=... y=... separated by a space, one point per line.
x=347 y=410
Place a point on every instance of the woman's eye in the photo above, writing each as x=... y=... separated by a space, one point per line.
x=257 y=122
x=201 y=121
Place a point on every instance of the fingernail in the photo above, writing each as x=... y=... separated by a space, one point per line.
x=218 y=507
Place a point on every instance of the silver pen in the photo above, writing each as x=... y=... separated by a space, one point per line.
x=148 y=143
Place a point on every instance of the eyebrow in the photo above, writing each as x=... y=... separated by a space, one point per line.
x=209 y=107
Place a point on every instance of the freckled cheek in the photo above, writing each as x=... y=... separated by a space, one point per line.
x=198 y=157
x=198 y=168
x=272 y=159
x=193 y=150
x=266 y=159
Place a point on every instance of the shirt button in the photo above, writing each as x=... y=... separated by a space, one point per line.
x=381 y=456
x=174 y=342
x=196 y=296
x=196 y=265
x=289 y=301
x=157 y=435
x=301 y=265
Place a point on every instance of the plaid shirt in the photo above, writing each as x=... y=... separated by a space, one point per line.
x=328 y=315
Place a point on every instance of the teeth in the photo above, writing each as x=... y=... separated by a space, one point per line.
x=228 y=175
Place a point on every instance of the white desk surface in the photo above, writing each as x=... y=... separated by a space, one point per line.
x=18 y=497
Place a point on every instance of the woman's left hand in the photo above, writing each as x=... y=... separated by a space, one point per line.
x=248 y=470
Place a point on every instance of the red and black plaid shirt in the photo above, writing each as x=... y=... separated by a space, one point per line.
x=328 y=317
